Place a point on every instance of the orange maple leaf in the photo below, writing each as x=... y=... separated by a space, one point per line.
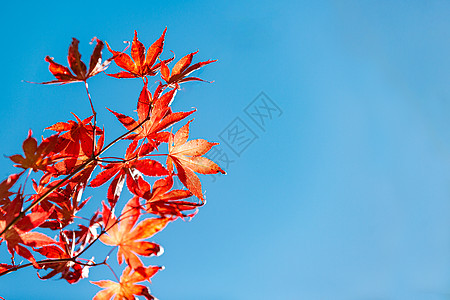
x=187 y=157
x=129 y=240
x=127 y=288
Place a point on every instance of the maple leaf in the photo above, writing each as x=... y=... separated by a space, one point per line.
x=5 y=185
x=131 y=169
x=127 y=288
x=69 y=270
x=165 y=202
x=66 y=202
x=19 y=234
x=154 y=114
x=80 y=72
x=66 y=199
x=182 y=69
x=187 y=157
x=35 y=156
x=139 y=64
x=75 y=144
x=84 y=235
x=78 y=134
x=121 y=233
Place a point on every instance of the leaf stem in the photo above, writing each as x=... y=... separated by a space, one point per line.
x=115 y=275
x=94 y=127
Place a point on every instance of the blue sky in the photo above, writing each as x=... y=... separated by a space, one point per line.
x=345 y=195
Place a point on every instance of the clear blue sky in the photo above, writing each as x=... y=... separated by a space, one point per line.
x=345 y=195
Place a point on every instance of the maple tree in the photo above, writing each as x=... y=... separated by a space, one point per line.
x=62 y=166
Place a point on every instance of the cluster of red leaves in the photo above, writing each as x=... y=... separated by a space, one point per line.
x=62 y=166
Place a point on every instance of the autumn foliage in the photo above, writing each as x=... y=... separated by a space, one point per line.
x=50 y=226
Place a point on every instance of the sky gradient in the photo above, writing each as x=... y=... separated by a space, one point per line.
x=343 y=193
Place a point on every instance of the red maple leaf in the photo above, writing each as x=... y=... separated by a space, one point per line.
x=154 y=114
x=79 y=133
x=187 y=157
x=139 y=64
x=182 y=69
x=63 y=253
x=69 y=270
x=80 y=72
x=121 y=233
x=75 y=144
x=130 y=169
x=127 y=288
x=19 y=235
x=163 y=201
x=66 y=202
x=35 y=156
x=5 y=185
